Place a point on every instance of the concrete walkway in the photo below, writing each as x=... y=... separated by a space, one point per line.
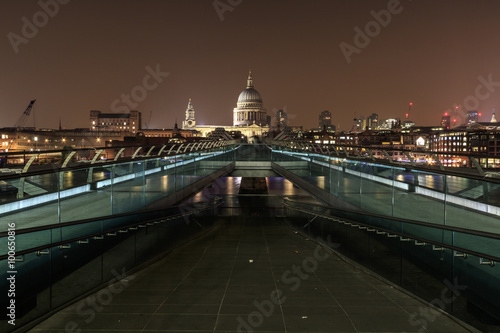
x=253 y=274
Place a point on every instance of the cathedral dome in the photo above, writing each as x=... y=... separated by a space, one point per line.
x=249 y=108
x=249 y=95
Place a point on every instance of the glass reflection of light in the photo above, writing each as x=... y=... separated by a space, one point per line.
x=230 y=185
x=433 y=181
x=99 y=175
x=233 y=185
x=164 y=183
x=280 y=185
x=271 y=184
x=321 y=181
x=199 y=197
x=236 y=184
x=287 y=187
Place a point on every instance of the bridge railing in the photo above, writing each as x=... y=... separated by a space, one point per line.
x=412 y=254
x=407 y=192
x=85 y=190
x=37 y=160
x=54 y=266
x=454 y=162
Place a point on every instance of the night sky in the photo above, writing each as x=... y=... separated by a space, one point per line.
x=84 y=57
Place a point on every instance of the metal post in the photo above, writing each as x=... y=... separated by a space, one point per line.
x=478 y=166
x=119 y=153
x=393 y=192
x=445 y=192
x=59 y=180
x=150 y=150
x=91 y=169
x=20 y=190
x=387 y=156
x=440 y=165
x=65 y=163
x=144 y=184
x=112 y=178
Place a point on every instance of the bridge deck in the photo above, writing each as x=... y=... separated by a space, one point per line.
x=252 y=273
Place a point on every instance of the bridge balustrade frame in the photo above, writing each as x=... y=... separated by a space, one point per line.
x=132 y=169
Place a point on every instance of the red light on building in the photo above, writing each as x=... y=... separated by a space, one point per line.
x=454 y=120
x=446 y=113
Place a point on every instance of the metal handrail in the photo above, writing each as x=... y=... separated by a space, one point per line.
x=163 y=219
x=451 y=171
x=472 y=232
x=84 y=221
x=404 y=236
x=318 y=145
x=86 y=166
x=109 y=162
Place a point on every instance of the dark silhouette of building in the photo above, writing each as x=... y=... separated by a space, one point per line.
x=281 y=119
x=446 y=121
x=325 y=120
x=372 y=122
x=472 y=117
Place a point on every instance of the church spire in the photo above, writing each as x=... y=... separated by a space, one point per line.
x=493 y=118
x=189 y=121
x=249 y=80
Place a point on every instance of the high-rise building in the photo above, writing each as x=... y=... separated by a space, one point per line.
x=281 y=119
x=325 y=121
x=472 y=117
x=387 y=124
x=372 y=121
x=269 y=120
x=358 y=124
x=446 y=121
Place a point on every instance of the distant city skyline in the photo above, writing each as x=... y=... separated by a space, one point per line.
x=347 y=57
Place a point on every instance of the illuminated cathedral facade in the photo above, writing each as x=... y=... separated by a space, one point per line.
x=249 y=115
x=249 y=109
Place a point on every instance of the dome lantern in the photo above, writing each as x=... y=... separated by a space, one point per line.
x=249 y=80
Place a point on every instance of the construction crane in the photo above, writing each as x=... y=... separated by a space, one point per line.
x=26 y=114
x=409 y=110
